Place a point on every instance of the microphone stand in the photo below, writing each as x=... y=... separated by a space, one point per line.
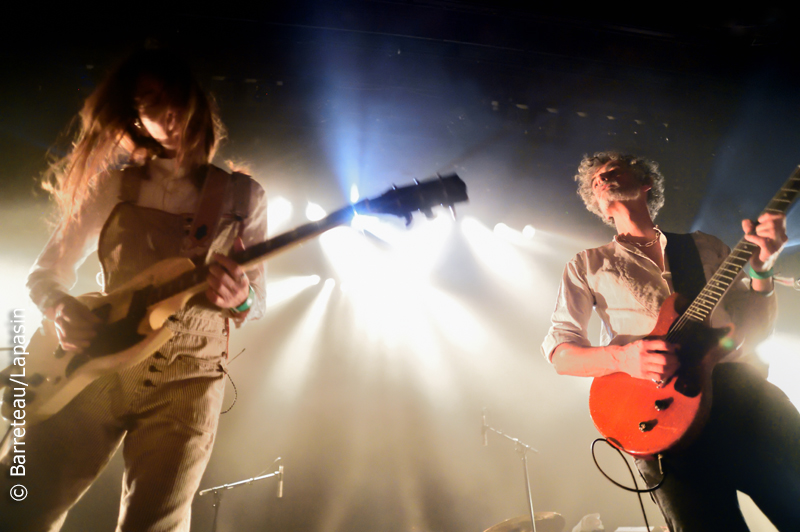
x=522 y=449
x=217 y=490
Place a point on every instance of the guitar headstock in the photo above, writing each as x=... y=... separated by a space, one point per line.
x=422 y=196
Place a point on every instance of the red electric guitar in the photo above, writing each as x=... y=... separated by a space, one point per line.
x=645 y=419
x=133 y=315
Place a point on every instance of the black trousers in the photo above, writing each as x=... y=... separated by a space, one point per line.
x=751 y=444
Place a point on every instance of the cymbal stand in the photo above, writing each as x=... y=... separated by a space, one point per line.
x=218 y=490
x=522 y=449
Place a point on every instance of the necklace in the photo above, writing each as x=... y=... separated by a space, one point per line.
x=647 y=244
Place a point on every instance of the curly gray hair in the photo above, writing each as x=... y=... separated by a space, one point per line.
x=645 y=170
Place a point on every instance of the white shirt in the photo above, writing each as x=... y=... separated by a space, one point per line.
x=627 y=289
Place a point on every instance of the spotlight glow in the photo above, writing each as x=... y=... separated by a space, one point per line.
x=354 y=194
x=278 y=292
x=387 y=282
x=314 y=212
x=529 y=231
x=493 y=250
x=781 y=352
x=279 y=212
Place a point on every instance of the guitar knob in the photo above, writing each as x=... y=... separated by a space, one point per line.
x=647 y=426
x=663 y=404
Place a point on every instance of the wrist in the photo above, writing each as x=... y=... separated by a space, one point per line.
x=248 y=302
x=756 y=274
x=52 y=302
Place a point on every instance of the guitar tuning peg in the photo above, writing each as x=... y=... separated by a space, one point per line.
x=394 y=187
x=428 y=214
x=452 y=211
x=416 y=181
x=408 y=218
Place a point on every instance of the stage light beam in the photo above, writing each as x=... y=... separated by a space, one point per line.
x=315 y=212
x=279 y=212
x=281 y=291
x=780 y=351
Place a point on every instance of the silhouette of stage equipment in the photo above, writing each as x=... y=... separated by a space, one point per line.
x=218 y=490
x=545 y=522
x=534 y=521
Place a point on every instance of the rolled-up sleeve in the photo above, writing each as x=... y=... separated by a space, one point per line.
x=254 y=232
x=570 y=320
x=56 y=269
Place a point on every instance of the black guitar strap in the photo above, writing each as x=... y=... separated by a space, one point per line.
x=688 y=277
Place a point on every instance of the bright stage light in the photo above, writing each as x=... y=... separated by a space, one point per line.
x=520 y=238
x=529 y=231
x=782 y=353
x=279 y=212
x=314 y=212
x=278 y=292
x=493 y=250
x=387 y=283
x=354 y=194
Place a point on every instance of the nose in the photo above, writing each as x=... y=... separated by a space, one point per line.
x=170 y=119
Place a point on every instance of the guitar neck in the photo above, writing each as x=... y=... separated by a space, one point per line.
x=705 y=303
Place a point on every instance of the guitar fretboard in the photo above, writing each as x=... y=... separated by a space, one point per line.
x=705 y=303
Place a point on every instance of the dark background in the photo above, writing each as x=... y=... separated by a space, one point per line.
x=377 y=434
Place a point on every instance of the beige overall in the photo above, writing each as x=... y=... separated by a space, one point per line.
x=164 y=411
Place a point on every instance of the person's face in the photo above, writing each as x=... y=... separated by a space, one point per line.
x=615 y=181
x=159 y=119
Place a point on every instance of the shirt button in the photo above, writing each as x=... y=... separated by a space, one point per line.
x=159 y=355
x=154 y=369
x=149 y=383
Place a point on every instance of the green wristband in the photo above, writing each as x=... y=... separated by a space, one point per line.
x=247 y=303
x=759 y=275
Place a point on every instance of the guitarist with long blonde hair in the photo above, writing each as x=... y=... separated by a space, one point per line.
x=750 y=440
x=133 y=187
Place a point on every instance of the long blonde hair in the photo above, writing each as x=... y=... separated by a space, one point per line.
x=107 y=136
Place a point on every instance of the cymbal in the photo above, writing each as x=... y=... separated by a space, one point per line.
x=545 y=522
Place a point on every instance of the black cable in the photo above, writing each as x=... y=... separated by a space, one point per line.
x=635 y=489
x=235 y=391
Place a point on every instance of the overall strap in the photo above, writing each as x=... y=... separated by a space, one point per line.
x=241 y=193
x=209 y=210
x=688 y=277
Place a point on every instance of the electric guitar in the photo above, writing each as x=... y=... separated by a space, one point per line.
x=133 y=315
x=644 y=418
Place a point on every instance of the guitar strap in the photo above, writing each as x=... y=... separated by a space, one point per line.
x=688 y=277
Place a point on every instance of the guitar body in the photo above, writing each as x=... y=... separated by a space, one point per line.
x=645 y=419
x=131 y=332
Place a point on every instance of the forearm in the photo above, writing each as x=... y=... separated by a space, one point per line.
x=581 y=361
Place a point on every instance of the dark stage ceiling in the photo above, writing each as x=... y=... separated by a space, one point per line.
x=320 y=96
